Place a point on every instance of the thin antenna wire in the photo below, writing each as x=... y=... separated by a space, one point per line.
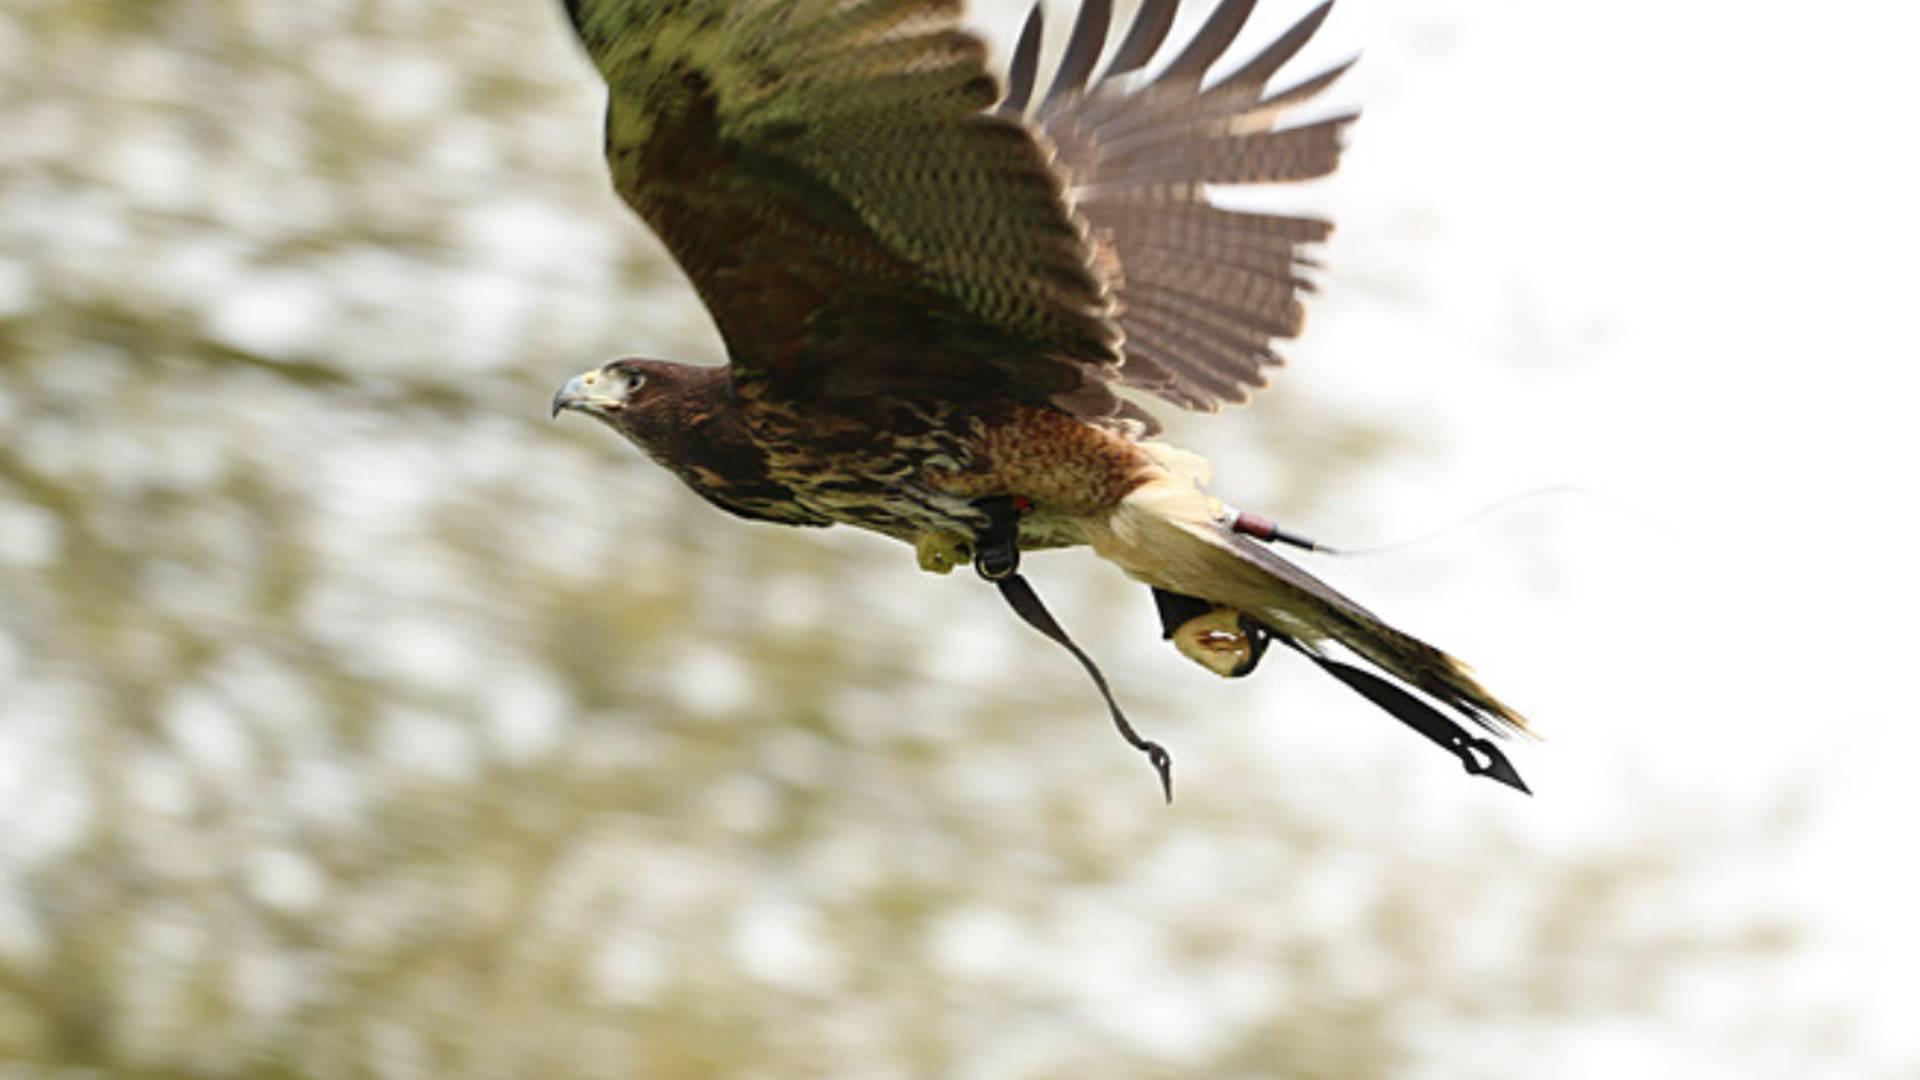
x=1263 y=529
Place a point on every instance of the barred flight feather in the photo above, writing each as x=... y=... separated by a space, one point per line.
x=1212 y=39
x=1278 y=272
x=1144 y=350
x=1025 y=67
x=1221 y=110
x=1259 y=296
x=1197 y=364
x=1201 y=292
x=1151 y=24
x=1200 y=227
x=1083 y=51
x=1300 y=153
x=1255 y=328
x=1216 y=359
x=1252 y=76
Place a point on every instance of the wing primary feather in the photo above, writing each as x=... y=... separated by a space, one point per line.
x=1155 y=260
x=1253 y=75
x=1235 y=338
x=1202 y=294
x=1274 y=264
x=1208 y=43
x=1256 y=326
x=1202 y=226
x=1297 y=153
x=1025 y=66
x=1303 y=89
x=1241 y=111
x=1144 y=37
x=1235 y=100
x=1143 y=372
x=1221 y=370
x=1169 y=386
x=1083 y=50
x=1232 y=366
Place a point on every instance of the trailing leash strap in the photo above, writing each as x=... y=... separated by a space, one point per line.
x=1026 y=604
x=997 y=559
x=1479 y=756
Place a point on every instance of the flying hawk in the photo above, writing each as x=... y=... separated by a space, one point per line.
x=931 y=290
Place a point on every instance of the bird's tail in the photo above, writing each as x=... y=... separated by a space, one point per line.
x=1170 y=534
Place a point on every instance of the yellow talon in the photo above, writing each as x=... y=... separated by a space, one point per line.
x=940 y=552
x=1215 y=642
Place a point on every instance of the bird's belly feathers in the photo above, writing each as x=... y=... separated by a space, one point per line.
x=911 y=470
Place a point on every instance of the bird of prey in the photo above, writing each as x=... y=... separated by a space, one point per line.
x=931 y=291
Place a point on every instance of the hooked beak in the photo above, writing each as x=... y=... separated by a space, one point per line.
x=579 y=394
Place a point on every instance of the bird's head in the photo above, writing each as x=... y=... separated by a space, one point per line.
x=618 y=393
x=656 y=404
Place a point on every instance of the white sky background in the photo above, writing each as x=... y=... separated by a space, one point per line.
x=1659 y=252
x=1663 y=252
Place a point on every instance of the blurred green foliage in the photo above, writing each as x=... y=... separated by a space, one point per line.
x=360 y=722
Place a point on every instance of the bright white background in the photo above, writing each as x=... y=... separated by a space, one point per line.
x=1662 y=253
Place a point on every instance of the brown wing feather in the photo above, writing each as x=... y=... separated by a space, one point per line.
x=1201 y=291
x=826 y=173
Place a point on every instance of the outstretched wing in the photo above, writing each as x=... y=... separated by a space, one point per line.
x=1201 y=291
x=830 y=176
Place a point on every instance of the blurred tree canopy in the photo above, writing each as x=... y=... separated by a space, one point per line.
x=359 y=722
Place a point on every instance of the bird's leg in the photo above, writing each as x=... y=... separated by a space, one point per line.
x=940 y=552
x=1217 y=638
